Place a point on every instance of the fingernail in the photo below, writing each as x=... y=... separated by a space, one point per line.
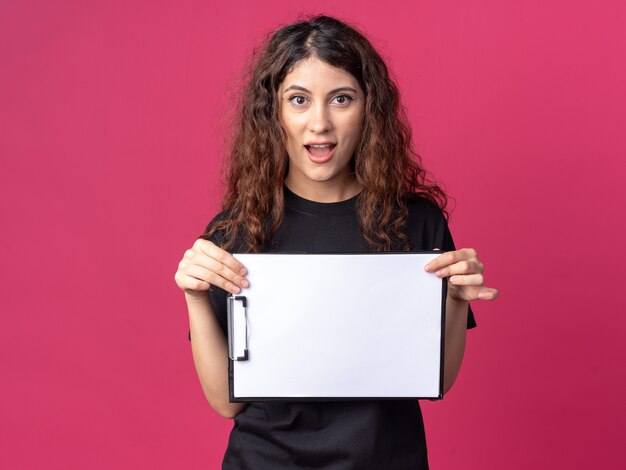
x=243 y=271
x=439 y=273
x=245 y=283
x=236 y=290
x=427 y=267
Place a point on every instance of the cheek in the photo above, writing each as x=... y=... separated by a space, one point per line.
x=355 y=116
x=354 y=127
x=292 y=128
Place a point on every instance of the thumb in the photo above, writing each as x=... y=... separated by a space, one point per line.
x=488 y=293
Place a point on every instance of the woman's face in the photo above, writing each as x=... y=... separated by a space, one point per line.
x=321 y=110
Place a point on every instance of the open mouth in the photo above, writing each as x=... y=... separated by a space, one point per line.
x=320 y=153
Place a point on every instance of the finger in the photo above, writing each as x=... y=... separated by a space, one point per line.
x=470 y=293
x=467 y=280
x=214 y=266
x=488 y=293
x=220 y=261
x=209 y=276
x=224 y=257
x=442 y=260
x=186 y=282
x=461 y=267
x=451 y=257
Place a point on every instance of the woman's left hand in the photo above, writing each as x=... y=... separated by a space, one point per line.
x=465 y=275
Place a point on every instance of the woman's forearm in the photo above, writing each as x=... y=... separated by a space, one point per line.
x=456 y=327
x=210 y=355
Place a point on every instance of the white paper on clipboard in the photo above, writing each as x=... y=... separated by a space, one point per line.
x=324 y=326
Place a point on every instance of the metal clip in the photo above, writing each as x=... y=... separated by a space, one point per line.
x=237 y=328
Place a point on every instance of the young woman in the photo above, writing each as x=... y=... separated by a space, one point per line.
x=321 y=161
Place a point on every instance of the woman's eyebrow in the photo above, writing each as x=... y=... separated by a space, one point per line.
x=301 y=88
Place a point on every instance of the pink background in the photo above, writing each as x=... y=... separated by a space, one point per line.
x=110 y=134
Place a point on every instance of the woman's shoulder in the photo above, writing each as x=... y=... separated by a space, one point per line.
x=426 y=224
x=222 y=216
x=421 y=206
x=215 y=229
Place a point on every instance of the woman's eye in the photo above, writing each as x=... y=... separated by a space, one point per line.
x=298 y=99
x=343 y=99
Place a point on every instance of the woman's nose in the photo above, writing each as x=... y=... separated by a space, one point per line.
x=319 y=119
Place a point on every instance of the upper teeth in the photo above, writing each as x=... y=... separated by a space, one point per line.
x=320 y=145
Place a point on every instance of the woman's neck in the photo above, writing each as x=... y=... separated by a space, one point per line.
x=325 y=191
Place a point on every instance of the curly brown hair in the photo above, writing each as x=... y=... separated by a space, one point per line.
x=384 y=162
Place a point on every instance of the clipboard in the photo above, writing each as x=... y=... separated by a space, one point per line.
x=315 y=327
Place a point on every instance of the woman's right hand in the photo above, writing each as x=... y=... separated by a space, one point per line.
x=206 y=264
